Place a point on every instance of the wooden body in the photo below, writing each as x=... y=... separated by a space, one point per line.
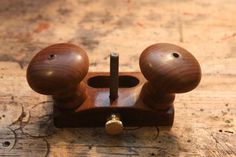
x=95 y=110
x=138 y=98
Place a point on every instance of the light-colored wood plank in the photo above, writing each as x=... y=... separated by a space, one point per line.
x=205 y=118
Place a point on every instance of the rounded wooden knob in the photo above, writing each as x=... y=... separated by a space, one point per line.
x=170 y=68
x=58 y=70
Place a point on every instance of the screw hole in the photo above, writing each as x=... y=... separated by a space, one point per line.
x=6 y=144
x=176 y=55
x=51 y=57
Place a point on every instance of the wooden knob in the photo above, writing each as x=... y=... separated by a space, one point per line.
x=58 y=70
x=169 y=69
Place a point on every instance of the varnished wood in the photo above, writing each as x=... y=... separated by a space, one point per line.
x=97 y=108
x=58 y=70
x=169 y=69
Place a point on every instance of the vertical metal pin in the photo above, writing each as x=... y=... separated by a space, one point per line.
x=114 y=75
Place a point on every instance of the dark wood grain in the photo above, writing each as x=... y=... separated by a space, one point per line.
x=169 y=69
x=58 y=70
x=97 y=108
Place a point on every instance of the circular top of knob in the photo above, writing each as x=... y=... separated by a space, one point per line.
x=57 y=68
x=170 y=68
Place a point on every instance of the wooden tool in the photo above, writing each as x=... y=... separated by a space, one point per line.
x=114 y=100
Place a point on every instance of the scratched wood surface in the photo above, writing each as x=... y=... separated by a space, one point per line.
x=205 y=123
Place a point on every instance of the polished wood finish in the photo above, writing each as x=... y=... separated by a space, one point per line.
x=98 y=107
x=82 y=99
x=58 y=70
x=169 y=69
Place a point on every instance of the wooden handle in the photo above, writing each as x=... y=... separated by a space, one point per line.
x=169 y=69
x=58 y=70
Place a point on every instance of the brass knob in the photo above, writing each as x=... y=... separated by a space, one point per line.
x=114 y=125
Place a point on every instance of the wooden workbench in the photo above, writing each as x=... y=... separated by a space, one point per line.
x=205 y=123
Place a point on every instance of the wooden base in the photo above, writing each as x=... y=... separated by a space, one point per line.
x=97 y=108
